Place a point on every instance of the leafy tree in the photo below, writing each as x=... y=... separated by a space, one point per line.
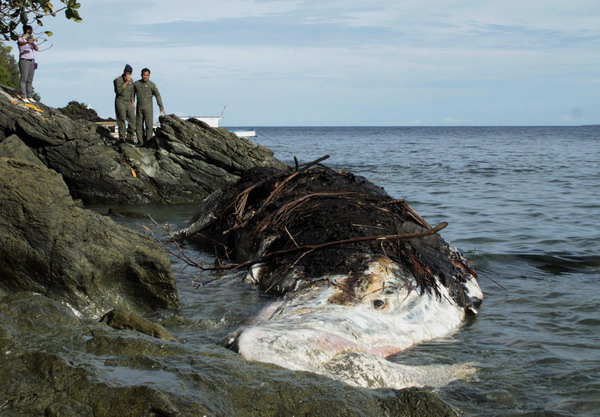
x=19 y=12
x=80 y=111
x=9 y=72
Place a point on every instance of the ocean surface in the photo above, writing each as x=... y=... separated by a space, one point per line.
x=522 y=203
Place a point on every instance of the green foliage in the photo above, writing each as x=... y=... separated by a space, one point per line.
x=14 y=13
x=9 y=71
x=80 y=111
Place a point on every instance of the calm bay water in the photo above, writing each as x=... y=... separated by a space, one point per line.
x=523 y=204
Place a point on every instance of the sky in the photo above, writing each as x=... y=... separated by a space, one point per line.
x=336 y=62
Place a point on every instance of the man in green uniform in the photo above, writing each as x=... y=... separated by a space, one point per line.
x=144 y=89
x=124 y=104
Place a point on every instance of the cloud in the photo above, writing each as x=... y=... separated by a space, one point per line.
x=425 y=22
x=397 y=59
x=161 y=12
x=465 y=14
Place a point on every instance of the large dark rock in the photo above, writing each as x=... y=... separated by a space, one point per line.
x=185 y=162
x=48 y=244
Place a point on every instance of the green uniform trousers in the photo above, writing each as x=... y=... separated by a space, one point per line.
x=125 y=113
x=144 y=124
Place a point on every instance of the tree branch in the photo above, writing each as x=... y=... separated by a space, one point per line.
x=314 y=247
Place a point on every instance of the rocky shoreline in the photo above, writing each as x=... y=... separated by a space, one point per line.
x=185 y=162
x=63 y=268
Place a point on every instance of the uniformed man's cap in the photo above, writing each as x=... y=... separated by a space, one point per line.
x=128 y=68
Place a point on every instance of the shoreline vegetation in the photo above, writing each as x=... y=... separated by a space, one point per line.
x=64 y=267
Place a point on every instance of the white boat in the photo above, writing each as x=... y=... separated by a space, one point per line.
x=244 y=133
x=213 y=121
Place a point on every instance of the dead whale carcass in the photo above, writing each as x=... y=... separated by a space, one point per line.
x=361 y=275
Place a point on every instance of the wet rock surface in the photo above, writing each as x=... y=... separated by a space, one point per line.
x=185 y=162
x=53 y=363
x=121 y=320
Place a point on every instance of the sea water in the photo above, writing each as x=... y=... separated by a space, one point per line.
x=522 y=203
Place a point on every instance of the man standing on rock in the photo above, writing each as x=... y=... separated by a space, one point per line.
x=125 y=104
x=144 y=90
